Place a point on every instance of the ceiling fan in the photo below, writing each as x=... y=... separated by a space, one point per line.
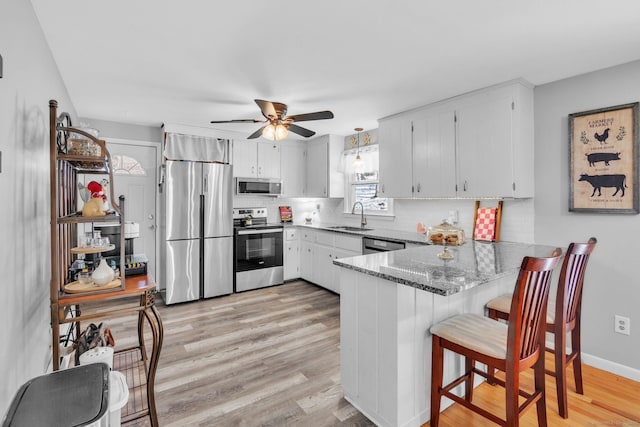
x=278 y=123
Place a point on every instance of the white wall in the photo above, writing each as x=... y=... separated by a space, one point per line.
x=30 y=80
x=612 y=284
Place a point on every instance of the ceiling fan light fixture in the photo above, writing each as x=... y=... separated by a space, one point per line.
x=281 y=132
x=269 y=132
x=275 y=132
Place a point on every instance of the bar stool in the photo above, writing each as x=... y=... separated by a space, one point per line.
x=564 y=318
x=511 y=347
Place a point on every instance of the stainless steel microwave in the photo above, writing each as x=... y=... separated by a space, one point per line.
x=258 y=186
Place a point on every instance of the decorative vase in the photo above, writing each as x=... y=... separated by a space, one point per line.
x=103 y=274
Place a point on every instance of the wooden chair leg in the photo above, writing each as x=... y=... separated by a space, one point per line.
x=437 y=356
x=559 y=355
x=541 y=405
x=577 y=361
x=491 y=371
x=469 y=364
x=511 y=388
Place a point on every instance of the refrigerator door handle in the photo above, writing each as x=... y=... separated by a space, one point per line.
x=206 y=186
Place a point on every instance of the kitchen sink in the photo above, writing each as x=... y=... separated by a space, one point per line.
x=349 y=228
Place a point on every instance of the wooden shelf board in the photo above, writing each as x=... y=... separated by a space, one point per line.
x=77 y=218
x=133 y=285
x=92 y=249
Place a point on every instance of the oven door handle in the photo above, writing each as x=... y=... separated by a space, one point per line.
x=262 y=231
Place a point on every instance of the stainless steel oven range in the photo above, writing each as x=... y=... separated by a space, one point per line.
x=257 y=250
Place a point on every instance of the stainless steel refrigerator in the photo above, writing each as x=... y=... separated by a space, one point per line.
x=197 y=252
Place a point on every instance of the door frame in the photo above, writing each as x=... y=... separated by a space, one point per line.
x=158 y=162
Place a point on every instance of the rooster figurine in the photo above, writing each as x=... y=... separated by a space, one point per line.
x=94 y=197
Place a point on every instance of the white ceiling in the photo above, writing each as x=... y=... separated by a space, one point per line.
x=192 y=61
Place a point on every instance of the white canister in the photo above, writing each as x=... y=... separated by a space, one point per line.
x=98 y=355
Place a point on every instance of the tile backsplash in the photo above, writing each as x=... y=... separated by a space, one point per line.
x=517 y=214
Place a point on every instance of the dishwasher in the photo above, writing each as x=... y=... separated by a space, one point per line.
x=372 y=246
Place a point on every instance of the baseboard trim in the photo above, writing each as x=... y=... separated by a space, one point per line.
x=613 y=367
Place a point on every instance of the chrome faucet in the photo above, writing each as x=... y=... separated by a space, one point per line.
x=363 y=219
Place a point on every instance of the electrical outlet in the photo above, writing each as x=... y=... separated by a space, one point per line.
x=622 y=325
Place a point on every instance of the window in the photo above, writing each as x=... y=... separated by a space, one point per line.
x=362 y=186
x=125 y=165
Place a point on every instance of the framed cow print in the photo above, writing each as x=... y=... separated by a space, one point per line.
x=603 y=156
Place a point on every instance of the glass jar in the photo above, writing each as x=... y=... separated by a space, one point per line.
x=445 y=234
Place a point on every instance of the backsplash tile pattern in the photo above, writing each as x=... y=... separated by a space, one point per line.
x=517 y=218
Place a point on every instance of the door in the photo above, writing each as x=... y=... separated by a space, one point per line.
x=218 y=266
x=434 y=155
x=135 y=176
x=485 y=167
x=218 y=200
x=182 y=272
x=292 y=168
x=182 y=189
x=245 y=154
x=258 y=248
x=268 y=160
x=135 y=165
x=396 y=161
x=317 y=168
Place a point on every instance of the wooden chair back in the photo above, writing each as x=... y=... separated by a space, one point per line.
x=527 y=318
x=498 y=220
x=571 y=279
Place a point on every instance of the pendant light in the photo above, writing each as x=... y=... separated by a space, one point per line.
x=358 y=164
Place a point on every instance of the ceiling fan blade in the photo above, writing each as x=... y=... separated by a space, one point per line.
x=257 y=133
x=320 y=115
x=300 y=130
x=267 y=108
x=238 y=121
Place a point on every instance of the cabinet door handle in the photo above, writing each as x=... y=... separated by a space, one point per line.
x=206 y=185
x=464 y=187
x=259 y=170
x=418 y=188
x=253 y=170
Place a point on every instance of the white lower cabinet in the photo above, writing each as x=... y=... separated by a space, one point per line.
x=291 y=256
x=307 y=239
x=318 y=249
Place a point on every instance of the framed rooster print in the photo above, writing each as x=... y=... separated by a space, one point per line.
x=603 y=157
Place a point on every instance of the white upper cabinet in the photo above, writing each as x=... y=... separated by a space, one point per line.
x=292 y=167
x=434 y=153
x=256 y=159
x=485 y=144
x=473 y=145
x=395 y=166
x=417 y=154
x=323 y=175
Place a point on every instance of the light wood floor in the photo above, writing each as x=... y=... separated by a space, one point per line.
x=270 y=357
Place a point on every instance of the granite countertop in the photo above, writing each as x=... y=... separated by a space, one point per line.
x=473 y=264
x=379 y=233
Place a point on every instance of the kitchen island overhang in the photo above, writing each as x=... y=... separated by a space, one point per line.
x=388 y=303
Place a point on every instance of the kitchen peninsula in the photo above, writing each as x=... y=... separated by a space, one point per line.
x=388 y=302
